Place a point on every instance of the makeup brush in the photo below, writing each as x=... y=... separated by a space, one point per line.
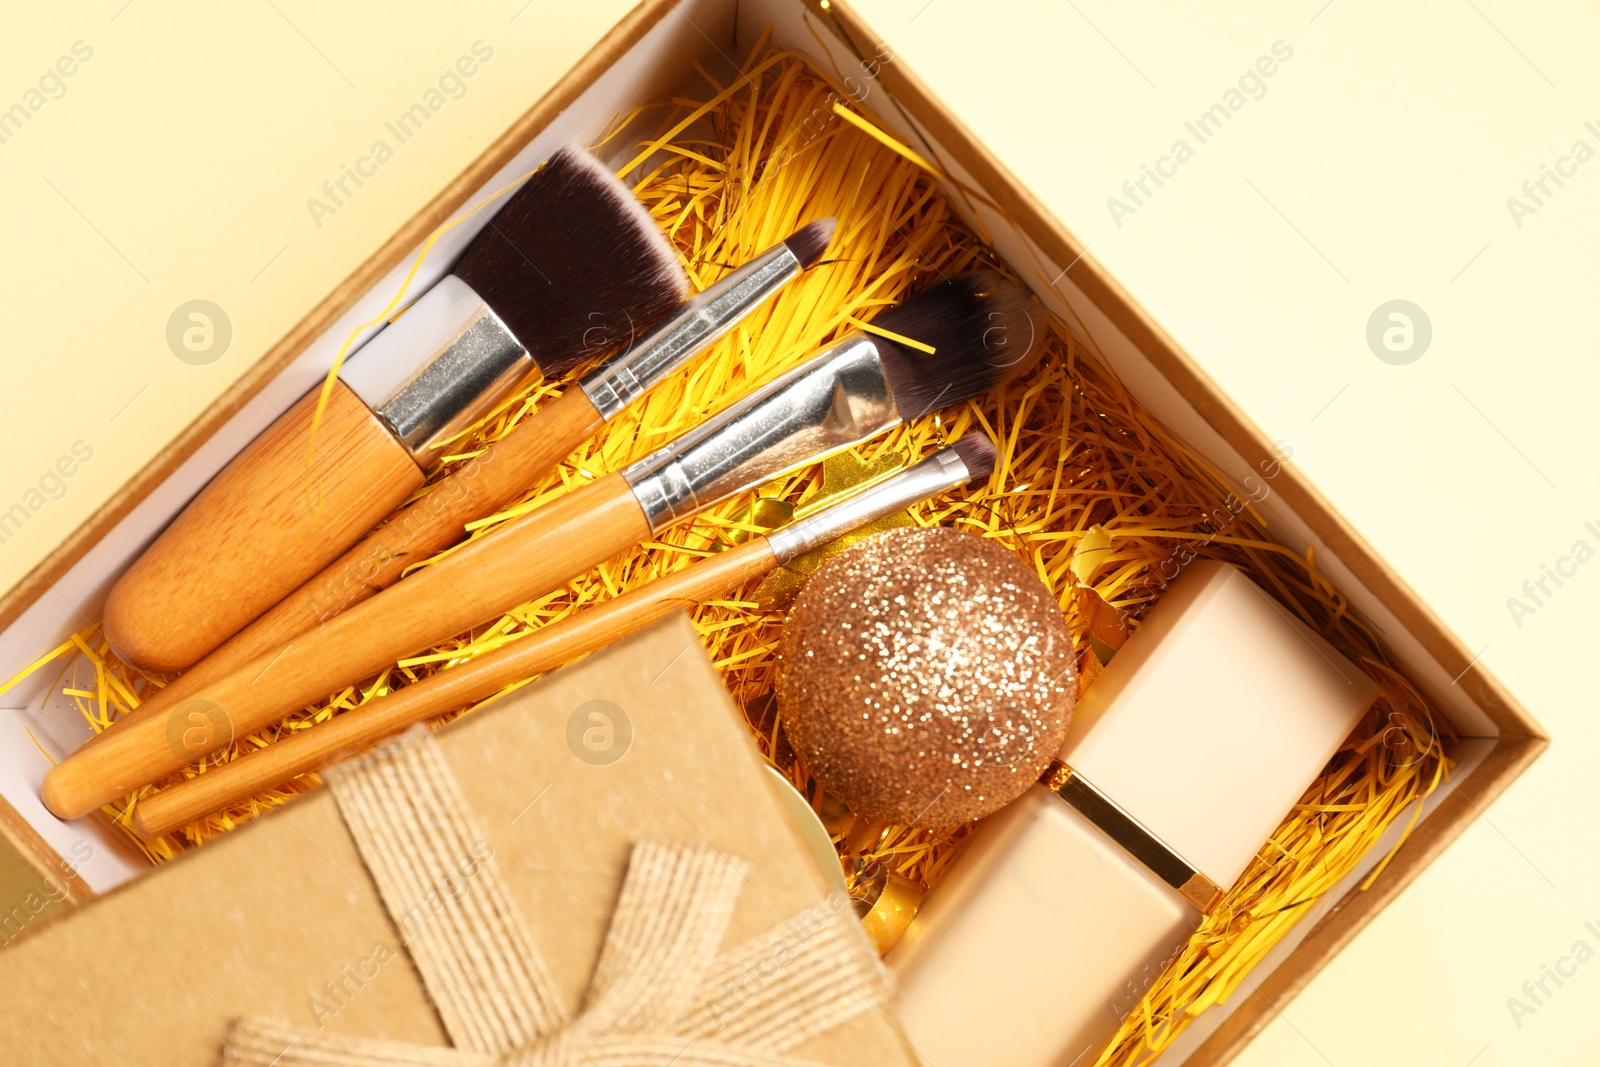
x=488 y=482
x=980 y=334
x=968 y=461
x=571 y=266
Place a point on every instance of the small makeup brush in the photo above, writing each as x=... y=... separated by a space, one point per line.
x=968 y=461
x=980 y=333
x=571 y=266
x=488 y=482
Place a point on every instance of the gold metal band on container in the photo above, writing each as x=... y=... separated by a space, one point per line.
x=891 y=913
x=1131 y=835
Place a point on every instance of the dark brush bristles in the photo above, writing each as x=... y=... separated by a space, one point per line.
x=573 y=264
x=809 y=242
x=982 y=333
x=978 y=455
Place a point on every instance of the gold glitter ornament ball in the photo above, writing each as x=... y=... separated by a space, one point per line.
x=926 y=677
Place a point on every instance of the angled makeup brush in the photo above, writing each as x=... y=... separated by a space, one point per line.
x=967 y=461
x=571 y=266
x=488 y=482
x=981 y=335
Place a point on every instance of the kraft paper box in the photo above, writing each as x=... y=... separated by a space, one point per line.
x=648 y=56
x=281 y=919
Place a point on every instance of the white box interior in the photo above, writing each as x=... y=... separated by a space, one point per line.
x=716 y=33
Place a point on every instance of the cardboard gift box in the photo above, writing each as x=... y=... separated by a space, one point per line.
x=134 y=976
x=644 y=58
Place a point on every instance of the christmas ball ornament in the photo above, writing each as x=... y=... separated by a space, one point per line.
x=926 y=677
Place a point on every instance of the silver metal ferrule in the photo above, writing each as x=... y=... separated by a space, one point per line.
x=479 y=366
x=830 y=402
x=438 y=368
x=698 y=322
x=941 y=471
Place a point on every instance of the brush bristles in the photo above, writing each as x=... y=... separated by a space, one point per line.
x=978 y=454
x=573 y=264
x=981 y=332
x=809 y=242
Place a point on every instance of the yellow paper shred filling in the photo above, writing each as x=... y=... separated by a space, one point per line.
x=1089 y=489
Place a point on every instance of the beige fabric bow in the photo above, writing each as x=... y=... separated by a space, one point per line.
x=662 y=995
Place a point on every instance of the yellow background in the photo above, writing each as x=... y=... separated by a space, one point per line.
x=1376 y=164
x=177 y=166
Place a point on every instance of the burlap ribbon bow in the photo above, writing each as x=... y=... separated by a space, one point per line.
x=661 y=994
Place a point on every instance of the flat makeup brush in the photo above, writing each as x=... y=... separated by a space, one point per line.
x=981 y=335
x=571 y=266
x=488 y=482
x=967 y=461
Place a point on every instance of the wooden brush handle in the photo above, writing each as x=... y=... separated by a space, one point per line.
x=262 y=526
x=429 y=524
x=526 y=559
x=309 y=750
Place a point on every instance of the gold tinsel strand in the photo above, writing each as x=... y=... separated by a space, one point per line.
x=1082 y=464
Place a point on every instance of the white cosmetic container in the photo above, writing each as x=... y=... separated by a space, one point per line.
x=1182 y=758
